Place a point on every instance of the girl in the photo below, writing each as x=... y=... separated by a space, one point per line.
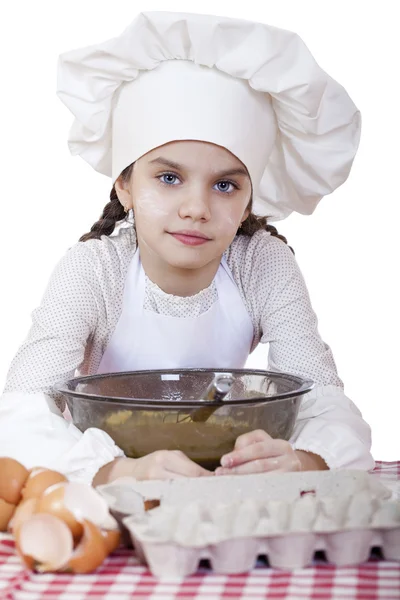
x=202 y=123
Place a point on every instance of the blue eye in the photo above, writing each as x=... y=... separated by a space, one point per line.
x=225 y=185
x=169 y=177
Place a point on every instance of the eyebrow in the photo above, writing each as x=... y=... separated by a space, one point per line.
x=173 y=165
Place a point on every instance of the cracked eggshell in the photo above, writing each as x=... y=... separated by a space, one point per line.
x=44 y=543
x=128 y=500
x=112 y=539
x=90 y=552
x=6 y=512
x=52 y=502
x=12 y=479
x=74 y=503
x=23 y=512
x=86 y=504
x=39 y=480
x=132 y=502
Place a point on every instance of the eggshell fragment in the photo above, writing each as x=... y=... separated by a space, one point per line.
x=85 y=503
x=6 y=513
x=150 y=504
x=39 y=480
x=73 y=502
x=12 y=478
x=23 y=512
x=44 y=543
x=91 y=551
x=112 y=539
x=52 y=502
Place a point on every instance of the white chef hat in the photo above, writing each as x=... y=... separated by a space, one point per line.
x=249 y=87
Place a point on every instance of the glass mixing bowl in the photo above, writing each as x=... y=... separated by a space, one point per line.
x=144 y=411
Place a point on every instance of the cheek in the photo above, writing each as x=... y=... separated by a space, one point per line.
x=227 y=220
x=149 y=205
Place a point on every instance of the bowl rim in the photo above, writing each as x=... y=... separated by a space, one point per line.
x=305 y=386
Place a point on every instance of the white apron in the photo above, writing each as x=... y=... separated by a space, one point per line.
x=219 y=338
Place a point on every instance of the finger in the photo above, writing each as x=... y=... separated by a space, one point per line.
x=252 y=437
x=156 y=470
x=264 y=465
x=165 y=474
x=179 y=463
x=266 y=449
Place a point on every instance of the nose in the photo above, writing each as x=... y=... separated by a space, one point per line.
x=195 y=204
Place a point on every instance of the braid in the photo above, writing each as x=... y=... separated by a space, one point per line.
x=254 y=223
x=112 y=213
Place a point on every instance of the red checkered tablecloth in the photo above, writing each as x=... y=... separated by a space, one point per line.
x=121 y=577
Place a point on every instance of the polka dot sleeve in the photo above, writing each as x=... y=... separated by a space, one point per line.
x=61 y=326
x=278 y=301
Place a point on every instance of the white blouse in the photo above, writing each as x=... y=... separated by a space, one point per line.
x=79 y=312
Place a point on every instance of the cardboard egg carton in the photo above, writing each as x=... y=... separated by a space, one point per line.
x=232 y=520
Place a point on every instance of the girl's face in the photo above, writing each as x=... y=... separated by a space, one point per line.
x=189 y=199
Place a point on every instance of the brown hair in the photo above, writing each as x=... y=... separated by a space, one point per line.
x=114 y=212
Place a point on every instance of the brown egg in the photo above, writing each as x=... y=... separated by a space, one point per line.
x=90 y=552
x=44 y=543
x=28 y=561
x=12 y=478
x=6 y=512
x=24 y=511
x=39 y=480
x=112 y=539
x=52 y=502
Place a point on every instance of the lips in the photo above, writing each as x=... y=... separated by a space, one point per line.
x=190 y=237
x=190 y=233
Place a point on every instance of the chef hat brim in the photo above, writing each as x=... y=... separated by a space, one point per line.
x=318 y=124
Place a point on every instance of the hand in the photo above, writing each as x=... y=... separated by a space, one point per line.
x=167 y=464
x=258 y=452
x=162 y=464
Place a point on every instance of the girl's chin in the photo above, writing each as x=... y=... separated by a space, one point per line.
x=182 y=263
x=187 y=258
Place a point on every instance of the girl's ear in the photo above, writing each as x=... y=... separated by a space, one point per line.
x=245 y=215
x=123 y=193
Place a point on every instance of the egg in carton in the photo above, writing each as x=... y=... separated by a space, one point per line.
x=233 y=520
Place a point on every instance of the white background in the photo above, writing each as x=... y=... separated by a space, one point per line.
x=348 y=250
